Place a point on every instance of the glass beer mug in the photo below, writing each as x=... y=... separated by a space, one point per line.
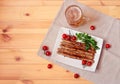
x=74 y=16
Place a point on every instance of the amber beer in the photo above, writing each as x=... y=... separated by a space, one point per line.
x=74 y=16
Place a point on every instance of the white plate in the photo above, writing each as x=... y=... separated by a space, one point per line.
x=75 y=62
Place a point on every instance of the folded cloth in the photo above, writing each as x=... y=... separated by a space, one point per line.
x=108 y=28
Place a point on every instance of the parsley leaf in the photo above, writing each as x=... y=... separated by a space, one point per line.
x=88 y=40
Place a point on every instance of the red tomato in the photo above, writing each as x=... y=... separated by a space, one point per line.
x=49 y=66
x=76 y=75
x=73 y=38
x=89 y=63
x=84 y=62
x=48 y=53
x=92 y=27
x=64 y=36
x=68 y=37
x=107 y=45
x=45 y=48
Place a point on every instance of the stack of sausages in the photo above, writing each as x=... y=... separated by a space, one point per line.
x=76 y=50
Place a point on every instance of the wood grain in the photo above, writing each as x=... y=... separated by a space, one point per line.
x=21 y=40
x=21 y=56
x=23 y=26
x=56 y=2
x=44 y=12
x=44 y=82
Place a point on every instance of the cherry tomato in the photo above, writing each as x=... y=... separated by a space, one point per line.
x=48 y=53
x=76 y=75
x=84 y=62
x=64 y=36
x=45 y=48
x=73 y=38
x=49 y=66
x=107 y=45
x=89 y=63
x=92 y=27
x=68 y=37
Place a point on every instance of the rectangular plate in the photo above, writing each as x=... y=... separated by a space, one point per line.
x=75 y=62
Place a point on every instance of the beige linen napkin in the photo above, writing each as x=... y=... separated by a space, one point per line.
x=108 y=28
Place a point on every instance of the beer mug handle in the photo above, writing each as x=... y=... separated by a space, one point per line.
x=86 y=18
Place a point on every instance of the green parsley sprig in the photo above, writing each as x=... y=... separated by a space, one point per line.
x=88 y=40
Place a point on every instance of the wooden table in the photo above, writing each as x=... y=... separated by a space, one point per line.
x=23 y=25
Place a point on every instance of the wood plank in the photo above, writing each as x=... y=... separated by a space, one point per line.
x=45 y=13
x=24 y=27
x=32 y=71
x=20 y=41
x=27 y=81
x=56 y=2
x=36 y=13
x=24 y=30
x=21 y=56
